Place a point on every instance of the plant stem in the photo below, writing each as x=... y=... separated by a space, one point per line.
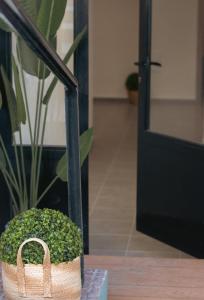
x=12 y=182
x=40 y=108
x=49 y=186
x=41 y=150
x=8 y=161
x=30 y=131
x=37 y=105
x=21 y=199
x=12 y=195
x=46 y=190
x=8 y=178
x=25 y=191
x=37 y=133
x=34 y=158
x=38 y=158
x=26 y=99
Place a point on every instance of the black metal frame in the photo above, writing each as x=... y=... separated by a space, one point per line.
x=81 y=71
x=5 y=51
x=40 y=46
x=144 y=93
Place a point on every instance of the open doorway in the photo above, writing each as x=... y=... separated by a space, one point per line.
x=113 y=159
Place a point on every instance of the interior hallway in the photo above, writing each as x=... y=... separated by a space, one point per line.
x=113 y=185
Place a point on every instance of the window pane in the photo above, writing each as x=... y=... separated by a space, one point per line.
x=176 y=86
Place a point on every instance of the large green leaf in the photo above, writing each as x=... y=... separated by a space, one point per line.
x=11 y=100
x=65 y=60
x=30 y=61
x=61 y=169
x=44 y=14
x=86 y=141
x=2 y=160
x=4 y=26
x=27 y=58
x=36 y=10
x=21 y=112
x=47 y=16
x=30 y=8
x=50 y=16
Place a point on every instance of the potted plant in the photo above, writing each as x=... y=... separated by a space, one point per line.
x=24 y=190
x=58 y=267
x=40 y=253
x=132 y=88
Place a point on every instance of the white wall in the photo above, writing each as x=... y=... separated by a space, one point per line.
x=55 y=125
x=174 y=44
x=55 y=128
x=115 y=45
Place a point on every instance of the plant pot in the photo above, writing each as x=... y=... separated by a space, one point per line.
x=46 y=281
x=133 y=97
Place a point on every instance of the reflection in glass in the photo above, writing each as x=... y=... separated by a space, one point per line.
x=177 y=86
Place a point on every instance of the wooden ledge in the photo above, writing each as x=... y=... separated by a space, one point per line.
x=151 y=278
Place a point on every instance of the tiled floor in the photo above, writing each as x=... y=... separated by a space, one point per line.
x=113 y=185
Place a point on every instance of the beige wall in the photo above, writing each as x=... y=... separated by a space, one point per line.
x=175 y=45
x=115 y=45
x=200 y=51
x=91 y=62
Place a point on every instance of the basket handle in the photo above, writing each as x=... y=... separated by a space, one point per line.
x=46 y=269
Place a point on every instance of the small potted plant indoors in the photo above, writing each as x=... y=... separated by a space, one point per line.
x=40 y=253
x=132 y=88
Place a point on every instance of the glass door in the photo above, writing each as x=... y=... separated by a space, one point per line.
x=170 y=203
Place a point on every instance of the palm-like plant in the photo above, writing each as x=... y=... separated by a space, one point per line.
x=47 y=16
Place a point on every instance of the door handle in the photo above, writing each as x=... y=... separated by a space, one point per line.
x=155 y=63
x=148 y=63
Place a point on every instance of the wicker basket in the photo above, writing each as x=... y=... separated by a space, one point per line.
x=62 y=281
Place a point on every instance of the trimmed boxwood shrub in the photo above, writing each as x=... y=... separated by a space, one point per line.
x=54 y=228
x=132 y=82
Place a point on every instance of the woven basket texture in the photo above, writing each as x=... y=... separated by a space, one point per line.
x=46 y=281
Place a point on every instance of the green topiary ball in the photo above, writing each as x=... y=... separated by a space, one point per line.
x=132 y=82
x=60 y=234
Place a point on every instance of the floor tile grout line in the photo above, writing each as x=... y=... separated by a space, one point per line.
x=108 y=235
x=109 y=170
x=104 y=252
x=102 y=186
x=130 y=235
x=112 y=165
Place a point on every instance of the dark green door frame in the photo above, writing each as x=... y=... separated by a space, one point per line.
x=81 y=70
x=5 y=56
